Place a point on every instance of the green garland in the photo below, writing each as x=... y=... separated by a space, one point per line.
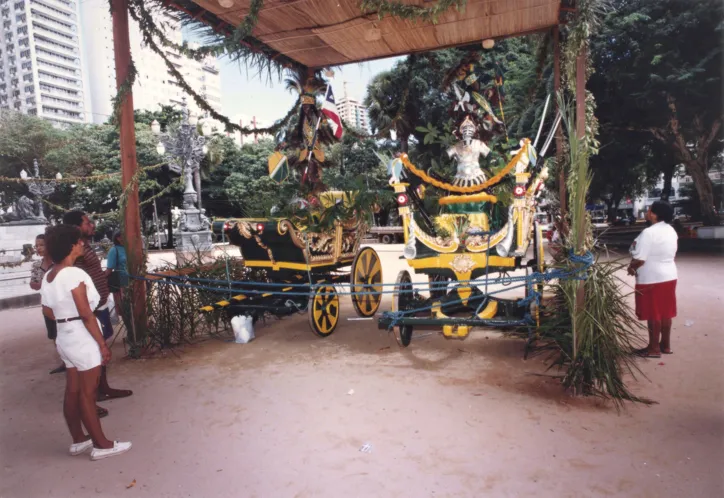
x=411 y=12
x=579 y=30
x=147 y=24
x=75 y=179
x=160 y=193
x=150 y=41
x=125 y=88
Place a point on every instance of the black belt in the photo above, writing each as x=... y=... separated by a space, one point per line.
x=66 y=320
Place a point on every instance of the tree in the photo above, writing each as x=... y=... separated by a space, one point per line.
x=621 y=170
x=23 y=139
x=242 y=180
x=658 y=73
x=409 y=95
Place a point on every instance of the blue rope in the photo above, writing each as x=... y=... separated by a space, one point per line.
x=578 y=273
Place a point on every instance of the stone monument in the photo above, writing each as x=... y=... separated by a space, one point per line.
x=185 y=148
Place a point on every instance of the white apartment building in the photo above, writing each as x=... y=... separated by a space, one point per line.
x=41 y=70
x=154 y=86
x=352 y=111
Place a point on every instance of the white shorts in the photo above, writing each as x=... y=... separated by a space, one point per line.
x=77 y=348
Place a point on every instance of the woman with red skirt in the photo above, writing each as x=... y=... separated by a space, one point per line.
x=652 y=262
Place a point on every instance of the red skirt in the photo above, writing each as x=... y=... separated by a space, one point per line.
x=656 y=301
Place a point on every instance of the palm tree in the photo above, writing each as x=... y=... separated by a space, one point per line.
x=386 y=94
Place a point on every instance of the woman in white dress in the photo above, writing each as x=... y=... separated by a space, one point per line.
x=69 y=297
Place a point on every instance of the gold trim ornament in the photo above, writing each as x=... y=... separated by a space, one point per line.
x=462 y=263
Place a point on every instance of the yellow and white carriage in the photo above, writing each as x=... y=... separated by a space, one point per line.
x=459 y=252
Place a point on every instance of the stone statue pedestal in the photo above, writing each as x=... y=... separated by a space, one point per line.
x=193 y=240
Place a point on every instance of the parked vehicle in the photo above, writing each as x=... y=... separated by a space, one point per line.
x=387 y=235
x=624 y=219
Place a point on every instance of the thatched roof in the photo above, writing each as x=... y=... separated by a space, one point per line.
x=317 y=33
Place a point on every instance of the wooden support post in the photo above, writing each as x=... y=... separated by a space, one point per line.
x=129 y=166
x=562 y=194
x=581 y=233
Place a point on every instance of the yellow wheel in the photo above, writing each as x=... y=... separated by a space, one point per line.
x=366 y=278
x=324 y=311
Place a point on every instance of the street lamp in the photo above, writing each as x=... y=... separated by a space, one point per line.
x=184 y=149
x=206 y=128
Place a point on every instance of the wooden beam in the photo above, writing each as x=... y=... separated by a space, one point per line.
x=129 y=166
x=559 y=132
x=581 y=234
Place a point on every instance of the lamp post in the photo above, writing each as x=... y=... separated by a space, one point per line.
x=185 y=148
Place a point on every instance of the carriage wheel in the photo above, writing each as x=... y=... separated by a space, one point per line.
x=324 y=311
x=436 y=284
x=538 y=251
x=366 y=271
x=401 y=301
x=540 y=266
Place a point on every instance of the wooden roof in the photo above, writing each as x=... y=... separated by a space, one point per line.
x=318 y=33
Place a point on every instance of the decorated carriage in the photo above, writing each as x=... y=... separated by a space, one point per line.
x=302 y=268
x=458 y=249
x=302 y=261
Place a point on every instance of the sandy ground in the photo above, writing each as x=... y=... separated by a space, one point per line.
x=275 y=418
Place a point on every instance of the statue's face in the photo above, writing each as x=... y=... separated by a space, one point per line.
x=467 y=130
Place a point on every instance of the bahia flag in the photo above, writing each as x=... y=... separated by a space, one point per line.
x=329 y=108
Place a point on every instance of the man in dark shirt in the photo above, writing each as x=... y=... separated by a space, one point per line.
x=91 y=264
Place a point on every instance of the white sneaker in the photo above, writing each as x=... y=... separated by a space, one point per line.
x=118 y=448
x=80 y=448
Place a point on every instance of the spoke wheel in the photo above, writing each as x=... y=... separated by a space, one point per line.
x=324 y=311
x=401 y=301
x=437 y=289
x=366 y=278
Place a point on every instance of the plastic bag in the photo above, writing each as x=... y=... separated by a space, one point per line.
x=243 y=328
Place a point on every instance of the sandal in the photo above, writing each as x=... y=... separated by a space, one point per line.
x=117 y=394
x=644 y=353
x=664 y=351
x=102 y=412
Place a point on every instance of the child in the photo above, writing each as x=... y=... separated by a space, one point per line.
x=37 y=272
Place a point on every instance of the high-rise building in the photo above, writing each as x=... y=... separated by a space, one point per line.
x=41 y=70
x=352 y=111
x=154 y=86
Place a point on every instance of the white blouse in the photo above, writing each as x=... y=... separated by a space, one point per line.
x=656 y=246
x=57 y=294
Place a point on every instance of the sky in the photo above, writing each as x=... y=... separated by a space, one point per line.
x=245 y=93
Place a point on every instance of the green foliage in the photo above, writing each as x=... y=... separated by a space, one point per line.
x=598 y=359
x=166 y=115
x=658 y=70
x=241 y=185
